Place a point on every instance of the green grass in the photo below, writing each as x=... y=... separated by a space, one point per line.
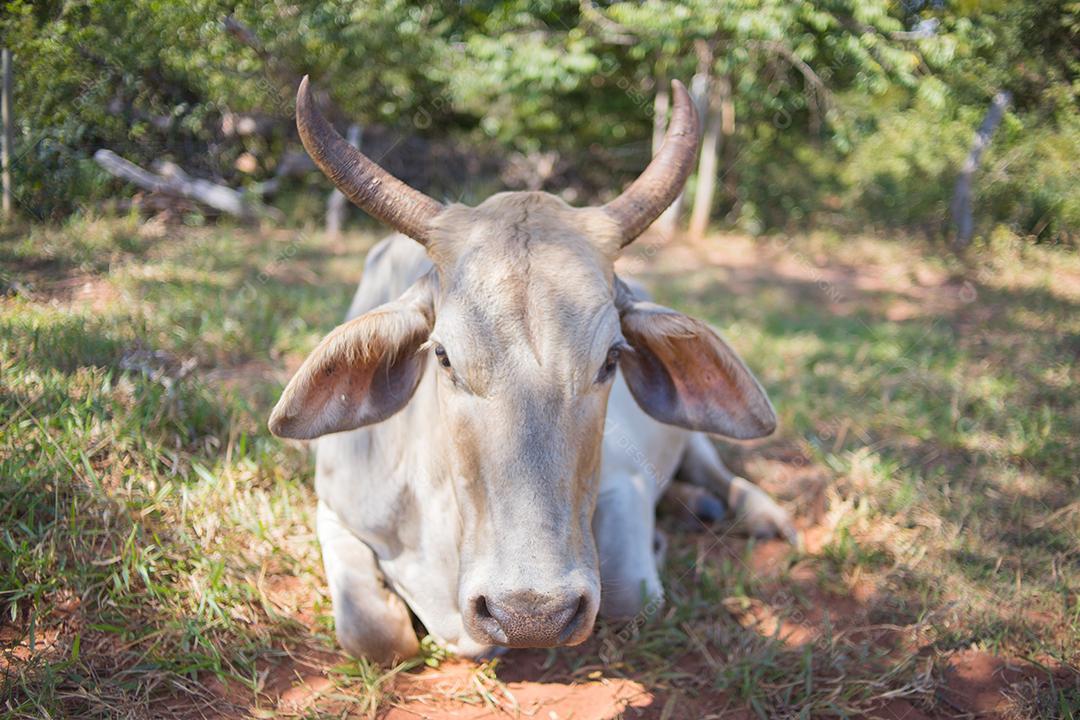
x=157 y=553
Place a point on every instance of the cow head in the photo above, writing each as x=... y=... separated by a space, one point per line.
x=524 y=324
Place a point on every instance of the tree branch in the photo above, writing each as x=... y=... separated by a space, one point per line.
x=173 y=181
x=611 y=32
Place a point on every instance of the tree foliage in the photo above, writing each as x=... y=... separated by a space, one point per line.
x=854 y=111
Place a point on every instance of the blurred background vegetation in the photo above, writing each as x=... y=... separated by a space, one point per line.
x=852 y=114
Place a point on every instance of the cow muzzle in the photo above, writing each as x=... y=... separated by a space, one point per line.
x=531 y=618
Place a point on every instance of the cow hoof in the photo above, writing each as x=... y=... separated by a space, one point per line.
x=382 y=634
x=763 y=517
x=694 y=505
x=708 y=508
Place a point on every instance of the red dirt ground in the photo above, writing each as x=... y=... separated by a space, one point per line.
x=973 y=684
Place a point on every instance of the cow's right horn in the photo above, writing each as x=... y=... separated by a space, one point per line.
x=366 y=184
x=662 y=181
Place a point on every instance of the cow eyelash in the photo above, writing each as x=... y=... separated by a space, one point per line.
x=611 y=363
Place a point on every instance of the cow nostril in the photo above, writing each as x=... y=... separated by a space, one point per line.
x=480 y=608
x=577 y=618
x=484 y=621
x=529 y=618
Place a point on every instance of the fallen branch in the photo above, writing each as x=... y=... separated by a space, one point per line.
x=172 y=180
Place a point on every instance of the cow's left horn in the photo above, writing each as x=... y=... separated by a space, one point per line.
x=369 y=186
x=662 y=181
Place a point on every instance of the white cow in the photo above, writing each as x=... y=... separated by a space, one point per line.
x=500 y=414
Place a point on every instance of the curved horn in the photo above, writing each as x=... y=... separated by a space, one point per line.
x=662 y=181
x=369 y=186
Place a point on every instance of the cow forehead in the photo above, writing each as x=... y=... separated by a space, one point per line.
x=524 y=273
x=517 y=223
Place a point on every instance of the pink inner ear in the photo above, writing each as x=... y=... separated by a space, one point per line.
x=684 y=374
x=362 y=373
x=320 y=400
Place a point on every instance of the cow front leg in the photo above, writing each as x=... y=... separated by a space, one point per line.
x=702 y=466
x=629 y=549
x=372 y=621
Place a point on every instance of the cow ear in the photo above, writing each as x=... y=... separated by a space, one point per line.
x=363 y=372
x=682 y=373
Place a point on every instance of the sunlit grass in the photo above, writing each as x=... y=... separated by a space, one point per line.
x=155 y=540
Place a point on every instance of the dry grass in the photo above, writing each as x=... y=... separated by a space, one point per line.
x=156 y=549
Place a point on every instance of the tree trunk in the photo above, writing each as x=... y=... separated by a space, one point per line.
x=660 y=110
x=668 y=222
x=961 y=209
x=702 y=91
x=706 y=182
x=336 y=204
x=7 y=140
x=727 y=129
x=699 y=84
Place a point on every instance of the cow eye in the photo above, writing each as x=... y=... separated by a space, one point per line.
x=611 y=362
x=440 y=353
